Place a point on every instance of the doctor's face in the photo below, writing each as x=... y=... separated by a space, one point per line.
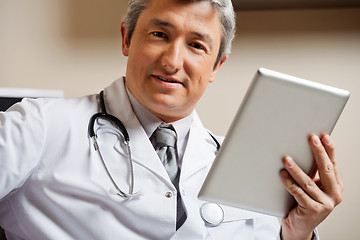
x=171 y=56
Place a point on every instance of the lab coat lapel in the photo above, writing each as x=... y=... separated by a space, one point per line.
x=143 y=153
x=199 y=153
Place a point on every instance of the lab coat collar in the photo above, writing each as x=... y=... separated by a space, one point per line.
x=198 y=153
x=117 y=101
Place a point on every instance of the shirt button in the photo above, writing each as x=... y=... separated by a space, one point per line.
x=168 y=194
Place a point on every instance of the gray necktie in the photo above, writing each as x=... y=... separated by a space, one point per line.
x=165 y=139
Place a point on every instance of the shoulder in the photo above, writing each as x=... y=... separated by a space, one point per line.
x=59 y=109
x=65 y=117
x=69 y=105
x=43 y=105
x=44 y=116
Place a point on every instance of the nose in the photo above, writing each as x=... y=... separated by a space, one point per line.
x=172 y=59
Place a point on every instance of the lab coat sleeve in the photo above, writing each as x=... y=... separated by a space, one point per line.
x=22 y=133
x=266 y=227
x=315 y=236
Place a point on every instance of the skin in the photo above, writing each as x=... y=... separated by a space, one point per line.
x=178 y=42
x=171 y=60
x=316 y=197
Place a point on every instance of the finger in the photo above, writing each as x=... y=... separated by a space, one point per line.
x=301 y=197
x=305 y=182
x=329 y=145
x=325 y=166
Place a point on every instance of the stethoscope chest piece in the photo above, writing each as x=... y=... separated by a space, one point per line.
x=212 y=214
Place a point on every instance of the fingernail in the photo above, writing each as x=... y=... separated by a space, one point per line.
x=316 y=140
x=327 y=140
x=289 y=161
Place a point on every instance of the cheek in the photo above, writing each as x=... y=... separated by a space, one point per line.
x=201 y=66
x=141 y=63
x=198 y=88
x=200 y=74
x=143 y=53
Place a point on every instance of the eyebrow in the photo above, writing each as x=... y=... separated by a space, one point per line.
x=161 y=23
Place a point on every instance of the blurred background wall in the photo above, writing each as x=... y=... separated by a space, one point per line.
x=75 y=46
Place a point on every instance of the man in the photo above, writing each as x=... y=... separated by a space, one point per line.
x=54 y=184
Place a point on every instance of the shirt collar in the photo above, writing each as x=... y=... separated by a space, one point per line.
x=150 y=122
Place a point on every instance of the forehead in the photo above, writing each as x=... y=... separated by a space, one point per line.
x=198 y=15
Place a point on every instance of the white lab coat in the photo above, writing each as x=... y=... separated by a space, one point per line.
x=54 y=186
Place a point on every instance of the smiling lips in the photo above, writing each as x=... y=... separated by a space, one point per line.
x=169 y=80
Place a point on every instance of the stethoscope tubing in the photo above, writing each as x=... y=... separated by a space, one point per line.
x=110 y=118
x=211 y=213
x=126 y=139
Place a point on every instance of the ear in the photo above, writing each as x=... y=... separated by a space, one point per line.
x=125 y=46
x=216 y=69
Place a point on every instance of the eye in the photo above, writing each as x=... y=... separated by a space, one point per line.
x=198 y=46
x=159 y=34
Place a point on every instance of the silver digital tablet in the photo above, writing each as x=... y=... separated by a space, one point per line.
x=275 y=119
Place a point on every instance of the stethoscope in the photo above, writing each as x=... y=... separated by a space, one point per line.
x=123 y=132
x=211 y=213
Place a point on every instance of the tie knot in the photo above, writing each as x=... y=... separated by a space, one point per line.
x=165 y=135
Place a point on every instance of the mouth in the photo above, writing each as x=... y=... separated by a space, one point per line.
x=168 y=80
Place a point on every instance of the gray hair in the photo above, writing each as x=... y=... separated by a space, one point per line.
x=224 y=8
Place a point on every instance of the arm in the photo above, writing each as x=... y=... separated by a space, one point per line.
x=316 y=198
x=21 y=142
